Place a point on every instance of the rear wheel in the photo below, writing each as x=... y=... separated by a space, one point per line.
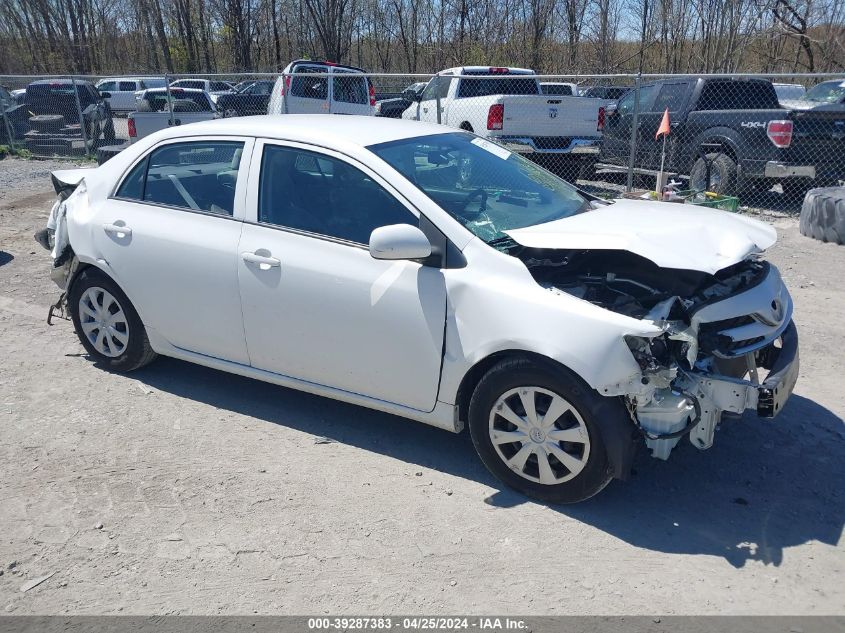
x=723 y=172
x=535 y=428
x=107 y=324
x=230 y=112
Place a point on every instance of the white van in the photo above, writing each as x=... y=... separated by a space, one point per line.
x=324 y=88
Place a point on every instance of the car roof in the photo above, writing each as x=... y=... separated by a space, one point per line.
x=42 y=82
x=177 y=90
x=319 y=129
x=314 y=62
x=477 y=69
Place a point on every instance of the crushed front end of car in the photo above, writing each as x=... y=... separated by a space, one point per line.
x=726 y=342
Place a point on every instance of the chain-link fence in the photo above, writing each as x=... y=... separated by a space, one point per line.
x=722 y=140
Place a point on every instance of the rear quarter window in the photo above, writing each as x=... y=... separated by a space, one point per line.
x=509 y=85
x=738 y=95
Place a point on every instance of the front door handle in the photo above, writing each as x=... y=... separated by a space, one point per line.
x=261 y=260
x=117 y=229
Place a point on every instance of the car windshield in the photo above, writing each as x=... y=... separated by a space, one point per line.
x=485 y=187
x=827 y=92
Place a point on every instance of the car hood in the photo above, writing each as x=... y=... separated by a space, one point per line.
x=671 y=235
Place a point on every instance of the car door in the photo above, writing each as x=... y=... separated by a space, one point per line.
x=123 y=96
x=111 y=88
x=308 y=94
x=170 y=234
x=437 y=88
x=316 y=305
x=616 y=142
x=350 y=93
x=672 y=95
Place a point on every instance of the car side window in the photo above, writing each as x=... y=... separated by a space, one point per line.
x=127 y=86
x=198 y=176
x=350 y=88
x=310 y=87
x=132 y=187
x=107 y=86
x=626 y=103
x=430 y=91
x=312 y=192
x=671 y=96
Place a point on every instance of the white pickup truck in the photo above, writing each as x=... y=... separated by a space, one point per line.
x=154 y=110
x=506 y=105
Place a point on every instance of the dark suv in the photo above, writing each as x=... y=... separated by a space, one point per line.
x=67 y=115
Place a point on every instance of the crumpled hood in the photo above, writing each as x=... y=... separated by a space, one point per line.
x=671 y=235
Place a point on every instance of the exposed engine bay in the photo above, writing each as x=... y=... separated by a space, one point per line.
x=721 y=333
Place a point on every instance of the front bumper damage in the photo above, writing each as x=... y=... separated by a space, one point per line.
x=755 y=333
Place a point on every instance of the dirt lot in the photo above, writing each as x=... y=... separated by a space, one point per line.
x=215 y=494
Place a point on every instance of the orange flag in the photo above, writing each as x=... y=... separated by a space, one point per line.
x=664 y=125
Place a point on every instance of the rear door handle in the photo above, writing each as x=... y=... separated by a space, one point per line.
x=261 y=260
x=120 y=231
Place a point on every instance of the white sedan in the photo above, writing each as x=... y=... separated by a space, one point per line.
x=431 y=274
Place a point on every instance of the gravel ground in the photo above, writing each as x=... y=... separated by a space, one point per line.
x=180 y=489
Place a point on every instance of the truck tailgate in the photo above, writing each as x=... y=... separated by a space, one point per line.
x=818 y=134
x=550 y=115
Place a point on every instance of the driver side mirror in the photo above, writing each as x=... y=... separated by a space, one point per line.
x=399 y=241
x=412 y=95
x=105 y=95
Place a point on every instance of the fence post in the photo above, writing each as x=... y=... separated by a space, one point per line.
x=437 y=98
x=9 y=129
x=169 y=100
x=634 y=126
x=81 y=117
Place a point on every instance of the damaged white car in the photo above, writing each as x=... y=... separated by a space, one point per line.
x=432 y=275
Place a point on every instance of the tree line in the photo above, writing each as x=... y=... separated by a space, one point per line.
x=420 y=36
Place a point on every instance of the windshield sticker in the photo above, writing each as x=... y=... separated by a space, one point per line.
x=494 y=149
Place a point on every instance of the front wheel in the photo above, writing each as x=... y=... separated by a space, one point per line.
x=107 y=324
x=535 y=428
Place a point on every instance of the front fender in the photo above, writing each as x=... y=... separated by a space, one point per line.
x=511 y=312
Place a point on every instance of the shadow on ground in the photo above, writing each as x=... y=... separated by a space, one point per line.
x=763 y=487
x=5 y=258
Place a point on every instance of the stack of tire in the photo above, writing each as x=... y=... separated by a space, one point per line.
x=47 y=123
x=823 y=215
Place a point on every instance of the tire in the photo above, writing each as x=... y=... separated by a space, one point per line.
x=723 y=174
x=96 y=290
x=47 y=122
x=823 y=215
x=466 y=127
x=109 y=151
x=228 y=113
x=509 y=382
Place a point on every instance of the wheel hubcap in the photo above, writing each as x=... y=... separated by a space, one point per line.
x=539 y=435
x=103 y=322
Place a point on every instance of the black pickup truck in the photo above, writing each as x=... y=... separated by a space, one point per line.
x=250 y=99
x=58 y=115
x=736 y=125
